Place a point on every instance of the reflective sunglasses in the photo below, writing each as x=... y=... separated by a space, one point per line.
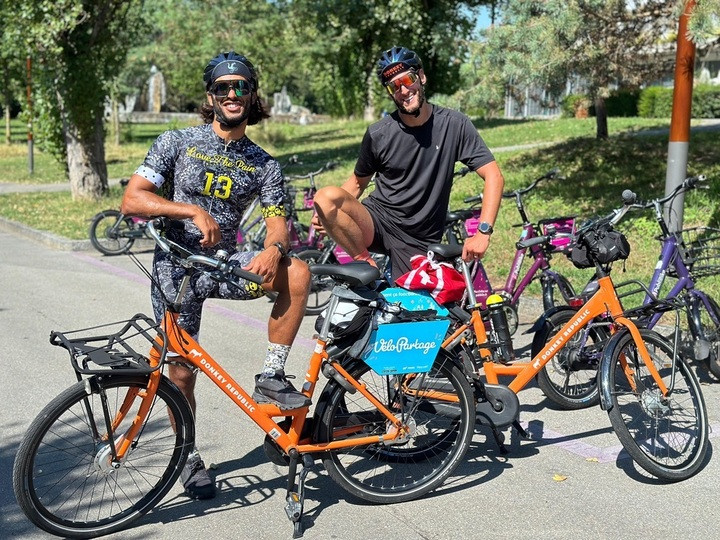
x=222 y=89
x=406 y=80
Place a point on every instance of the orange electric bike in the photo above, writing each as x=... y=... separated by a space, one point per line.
x=652 y=397
x=108 y=449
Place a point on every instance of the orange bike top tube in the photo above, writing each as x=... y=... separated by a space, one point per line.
x=604 y=302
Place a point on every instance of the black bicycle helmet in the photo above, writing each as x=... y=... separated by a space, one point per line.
x=230 y=63
x=396 y=60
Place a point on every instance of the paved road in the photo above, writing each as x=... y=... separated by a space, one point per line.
x=491 y=495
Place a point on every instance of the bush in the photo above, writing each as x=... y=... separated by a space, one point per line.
x=572 y=103
x=646 y=102
x=706 y=101
x=622 y=103
x=656 y=102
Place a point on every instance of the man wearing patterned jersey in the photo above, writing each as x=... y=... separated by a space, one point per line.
x=205 y=177
x=412 y=152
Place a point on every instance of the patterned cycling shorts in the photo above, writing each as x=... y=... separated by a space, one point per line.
x=168 y=275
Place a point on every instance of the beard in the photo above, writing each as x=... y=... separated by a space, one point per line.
x=415 y=110
x=226 y=122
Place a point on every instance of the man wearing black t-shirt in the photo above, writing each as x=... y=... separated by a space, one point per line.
x=413 y=152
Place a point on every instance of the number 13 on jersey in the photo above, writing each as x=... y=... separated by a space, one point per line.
x=222 y=185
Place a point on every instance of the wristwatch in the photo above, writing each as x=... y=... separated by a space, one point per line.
x=281 y=249
x=485 y=228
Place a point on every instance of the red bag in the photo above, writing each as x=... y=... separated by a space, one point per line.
x=442 y=280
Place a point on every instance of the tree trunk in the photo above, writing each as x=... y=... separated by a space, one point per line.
x=7 y=124
x=369 y=111
x=601 y=118
x=7 y=102
x=115 y=120
x=86 y=162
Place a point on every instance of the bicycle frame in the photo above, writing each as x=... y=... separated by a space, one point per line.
x=604 y=302
x=260 y=413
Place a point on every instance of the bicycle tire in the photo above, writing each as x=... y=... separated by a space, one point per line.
x=559 y=288
x=59 y=459
x=704 y=328
x=668 y=437
x=569 y=379
x=106 y=234
x=397 y=473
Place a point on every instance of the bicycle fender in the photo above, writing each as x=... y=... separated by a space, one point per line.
x=606 y=365
x=543 y=319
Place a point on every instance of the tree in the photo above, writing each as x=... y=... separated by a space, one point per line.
x=604 y=42
x=77 y=46
x=12 y=67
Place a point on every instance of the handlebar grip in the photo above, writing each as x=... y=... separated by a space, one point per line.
x=473 y=199
x=629 y=196
x=250 y=276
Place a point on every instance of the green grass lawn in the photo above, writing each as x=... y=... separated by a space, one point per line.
x=596 y=173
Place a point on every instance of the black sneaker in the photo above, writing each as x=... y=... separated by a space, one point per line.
x=279 y=391
x=195 y=478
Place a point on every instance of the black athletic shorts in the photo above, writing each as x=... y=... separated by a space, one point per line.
x=393 y=241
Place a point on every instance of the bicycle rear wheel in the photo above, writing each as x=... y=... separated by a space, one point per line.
x=705 y=328
x=438 y=407
x=63 y=477
x=109 y=232
x=569 y=379
x=666 y=435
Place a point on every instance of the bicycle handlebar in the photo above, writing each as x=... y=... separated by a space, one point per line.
x=553 y=173
x=689 y=183
x=330 y=165
x=187 y=258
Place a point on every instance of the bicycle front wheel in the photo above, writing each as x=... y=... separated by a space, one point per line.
x=557 y=291
x=64 y=478
x=436 y=407
x=109 y=232
x=569 y=379
x=705 y=328
x=666 y=435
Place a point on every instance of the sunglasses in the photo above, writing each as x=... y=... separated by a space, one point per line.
x=406 y=80
x=222 y=89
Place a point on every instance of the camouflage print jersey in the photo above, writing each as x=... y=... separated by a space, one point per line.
x=196 y=166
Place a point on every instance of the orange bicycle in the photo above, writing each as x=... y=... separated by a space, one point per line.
x=653 y=399
x=108 y=449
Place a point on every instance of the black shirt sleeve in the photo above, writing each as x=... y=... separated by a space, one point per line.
x=366 y=164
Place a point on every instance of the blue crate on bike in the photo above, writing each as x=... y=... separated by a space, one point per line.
x=414 y=300
x=407 y=347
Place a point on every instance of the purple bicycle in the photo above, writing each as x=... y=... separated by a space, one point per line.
x=463 y=223
x=688 y=256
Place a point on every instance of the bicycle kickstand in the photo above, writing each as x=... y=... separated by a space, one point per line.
x=295 y=499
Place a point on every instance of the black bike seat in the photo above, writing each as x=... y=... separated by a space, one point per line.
x=354 y=273
x=446 y=251
x=459 y=215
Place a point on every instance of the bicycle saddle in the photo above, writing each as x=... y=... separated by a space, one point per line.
x=459 y=215
x=353 y=273
x=446 y=251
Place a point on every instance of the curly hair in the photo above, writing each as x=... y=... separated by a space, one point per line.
x=257 y=114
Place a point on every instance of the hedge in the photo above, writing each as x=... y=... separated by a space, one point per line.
x=656 y=102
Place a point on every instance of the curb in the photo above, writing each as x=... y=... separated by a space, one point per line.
x=43 y=237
